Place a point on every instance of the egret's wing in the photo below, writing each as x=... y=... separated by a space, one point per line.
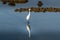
x=27 y=17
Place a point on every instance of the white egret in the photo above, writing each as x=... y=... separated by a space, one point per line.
x=28 y=29
x=28 y=16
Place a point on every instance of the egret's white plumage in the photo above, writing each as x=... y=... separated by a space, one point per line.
x=28 y=16
x=28 y=29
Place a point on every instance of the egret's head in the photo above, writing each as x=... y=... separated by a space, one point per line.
x=29 y=9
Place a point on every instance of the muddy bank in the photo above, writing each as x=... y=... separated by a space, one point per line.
x=13 y=2
x=33 y=9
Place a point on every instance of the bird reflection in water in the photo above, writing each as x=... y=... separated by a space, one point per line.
x=28 y=29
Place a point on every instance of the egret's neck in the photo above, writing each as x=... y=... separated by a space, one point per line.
x=29 y=11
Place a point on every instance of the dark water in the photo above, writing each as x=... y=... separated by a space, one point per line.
x=20 y=36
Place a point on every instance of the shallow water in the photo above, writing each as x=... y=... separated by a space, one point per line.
x=44 y=26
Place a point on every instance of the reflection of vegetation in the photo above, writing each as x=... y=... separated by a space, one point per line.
x=39 y=9
x=13 y=2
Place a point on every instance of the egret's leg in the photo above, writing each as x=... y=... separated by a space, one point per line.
x=28 y=22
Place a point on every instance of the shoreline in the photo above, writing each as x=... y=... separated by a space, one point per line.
x=36 y=9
